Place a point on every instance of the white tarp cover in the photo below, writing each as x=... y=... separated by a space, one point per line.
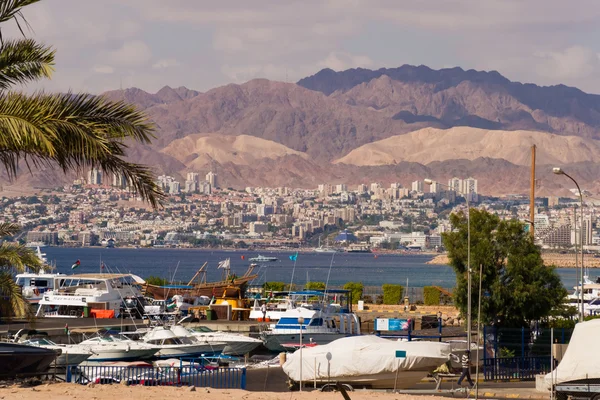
x=365 y=355
x=582 y=358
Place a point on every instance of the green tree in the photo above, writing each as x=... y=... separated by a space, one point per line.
x=315 y=286
x=67 y=131
x=517 y=287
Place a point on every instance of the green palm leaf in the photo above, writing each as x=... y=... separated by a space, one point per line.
x=18 y=257
x=74 y=131
x=12 y=303
x=24 y=60
x=8 y=229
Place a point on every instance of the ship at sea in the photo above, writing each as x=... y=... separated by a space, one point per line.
x=230 y=283
x=261 y=258
x=325 y=249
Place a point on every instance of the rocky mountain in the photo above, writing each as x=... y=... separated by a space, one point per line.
x=359 y=126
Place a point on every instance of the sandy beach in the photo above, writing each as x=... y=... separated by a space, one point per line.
x=68 y=391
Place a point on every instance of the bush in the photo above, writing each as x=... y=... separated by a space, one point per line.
x=356 y=290
x=156 y=281
x=274 y=286
x=431 y=295
x=315 y=286
x=392 y=294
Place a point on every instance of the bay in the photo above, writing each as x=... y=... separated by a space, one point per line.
x=182 y=264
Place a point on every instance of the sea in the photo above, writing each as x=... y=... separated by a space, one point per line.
x=180 y=265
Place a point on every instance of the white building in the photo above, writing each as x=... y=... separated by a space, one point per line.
x=95 y=177
x=211 y=178
x=417 y=186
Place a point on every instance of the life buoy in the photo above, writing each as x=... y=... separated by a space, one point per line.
x=36 y=291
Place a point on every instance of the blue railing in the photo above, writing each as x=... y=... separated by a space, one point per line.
x=176 y=375
x=520 y=368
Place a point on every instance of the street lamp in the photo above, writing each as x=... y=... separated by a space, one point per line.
x=301 y=322
x=559 y=171
x=430 y=182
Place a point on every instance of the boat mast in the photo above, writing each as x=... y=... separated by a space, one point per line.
x=532 y=196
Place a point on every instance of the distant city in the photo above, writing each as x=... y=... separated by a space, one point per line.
x=102 y=211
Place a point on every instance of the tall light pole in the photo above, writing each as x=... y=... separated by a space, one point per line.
x=301 y=322
x=430 y=182
x=559 y=171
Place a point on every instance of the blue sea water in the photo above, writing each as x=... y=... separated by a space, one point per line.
x=182 y=264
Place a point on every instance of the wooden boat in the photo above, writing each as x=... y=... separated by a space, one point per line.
x=228 y=287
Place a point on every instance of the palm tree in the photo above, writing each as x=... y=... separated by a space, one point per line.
x=70 y=131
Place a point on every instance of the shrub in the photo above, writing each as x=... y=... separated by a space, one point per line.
x=392 y=294
x=315 y=286
x=431 y=295
x=156 y=281
x=356 y=290
x=274 y=286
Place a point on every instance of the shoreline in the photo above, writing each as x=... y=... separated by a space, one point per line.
x=556 y=259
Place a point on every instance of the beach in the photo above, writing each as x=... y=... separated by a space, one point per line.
x=559 y=260
x=69 y=391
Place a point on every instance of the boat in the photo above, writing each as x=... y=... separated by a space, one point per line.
x=235 y=344
x=172 y=345
x=366 y=362
x=23 y=360
x=591 y=291
x=33 y=245
x=229 y=286
x=214 y=346
x=261 y=259
x=275 y=306
x=358 y=248
x=319 y=324
x=100 y=295
x=71 y=354
x=35 y=284
x=325 y=249
x=109 y=348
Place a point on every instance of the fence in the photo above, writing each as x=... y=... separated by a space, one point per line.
x=178 y=375
x=521 y=368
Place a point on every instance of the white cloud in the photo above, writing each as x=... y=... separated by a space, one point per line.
x=164 y=63
x=572 y=63
x=103 y=69
x=131 y=53
x=339 y=61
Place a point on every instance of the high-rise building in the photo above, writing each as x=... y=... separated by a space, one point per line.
x=361 y=188
x=470 y=186
x=435 y=187
x=417 y=186
x=174 y=187
x=119 y=181
x=211 y=177
x=341 y=187
x=95 y=177
x=456 y=185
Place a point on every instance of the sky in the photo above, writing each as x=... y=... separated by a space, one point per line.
x=104 y=45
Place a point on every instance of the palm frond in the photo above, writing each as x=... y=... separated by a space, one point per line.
x=12 y=303
x=18 y=257
x=24 y=60
x=11 y=9
x=74 y=131
x=8 y=229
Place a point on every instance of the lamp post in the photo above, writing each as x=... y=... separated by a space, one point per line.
x=559 y=171
x=301 y=322
x=430 y=182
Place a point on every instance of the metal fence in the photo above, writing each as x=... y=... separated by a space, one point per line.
x=176 y=375
x=520 y=368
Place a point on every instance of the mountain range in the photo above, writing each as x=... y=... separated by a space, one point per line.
x=361 y=126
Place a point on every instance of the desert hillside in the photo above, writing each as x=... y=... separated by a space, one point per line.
x=430 y=144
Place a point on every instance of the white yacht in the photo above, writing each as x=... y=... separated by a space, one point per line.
x=173 y=346
x=34 y=285
x=319 y=327
x=72 y=354
x=107 y=348
x=591 y=291
x=81 y=295
x=215 y=346
x=235 y=344
x=275 y=308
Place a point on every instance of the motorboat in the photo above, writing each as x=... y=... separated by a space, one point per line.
x=275 y=308
x=325 y=249
x=317 y=325
x=214 y=346
x=35 y=284
x=235 y=344
x=367 y=361
x=109 y=348
x=22 y=360
x=71 y=354
x=261 y=259
x=173 y=346
x=100 y=295
x=591 y=291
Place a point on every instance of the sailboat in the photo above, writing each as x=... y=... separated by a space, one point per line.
x=322 y=249
x=229 y=286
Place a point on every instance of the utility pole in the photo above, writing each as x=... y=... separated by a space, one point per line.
x=532 y=196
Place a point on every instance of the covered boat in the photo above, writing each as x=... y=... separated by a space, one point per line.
x=368 y=361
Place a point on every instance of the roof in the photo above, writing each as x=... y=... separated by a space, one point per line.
x=102 y=276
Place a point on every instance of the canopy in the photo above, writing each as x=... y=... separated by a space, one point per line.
x=582 y=358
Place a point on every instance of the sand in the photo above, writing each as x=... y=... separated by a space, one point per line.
x=560 y=260
x=69 y=391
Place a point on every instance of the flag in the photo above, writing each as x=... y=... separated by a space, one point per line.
x=77 y=264
x=102 y=265
x=66 y=329
x=224 y=264
x=294 y=257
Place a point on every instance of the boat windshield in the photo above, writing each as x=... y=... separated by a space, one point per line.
x=204 y=329
x=40 y=342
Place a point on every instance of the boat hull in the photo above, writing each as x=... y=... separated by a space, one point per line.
x=387 y=380
x=175 y=351
x=227 y=288
x=122 y=355
x=24 y=360
x=240 y=348
x=71 y=359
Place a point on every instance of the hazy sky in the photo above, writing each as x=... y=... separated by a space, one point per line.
x=203 y=44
